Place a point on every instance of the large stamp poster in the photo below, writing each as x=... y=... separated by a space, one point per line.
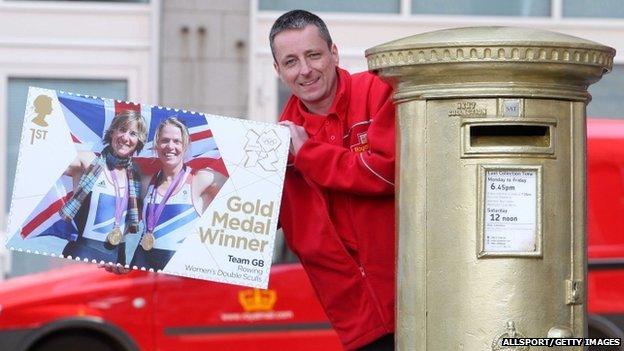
x=148 y=187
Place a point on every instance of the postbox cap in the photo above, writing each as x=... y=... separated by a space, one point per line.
x=487 y=36
x=492 y=61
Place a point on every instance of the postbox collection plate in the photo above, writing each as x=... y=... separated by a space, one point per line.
x=510 y=200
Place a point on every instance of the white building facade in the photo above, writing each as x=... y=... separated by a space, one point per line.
x=97 y=48
x=213 y=55
x=358 y=25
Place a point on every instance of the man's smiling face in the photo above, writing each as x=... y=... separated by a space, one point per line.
x=307 y=65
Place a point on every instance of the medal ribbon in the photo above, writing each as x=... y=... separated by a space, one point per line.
x=120 y=203
x=153 y=211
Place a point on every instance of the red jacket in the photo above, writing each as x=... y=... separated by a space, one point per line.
x=338 y=206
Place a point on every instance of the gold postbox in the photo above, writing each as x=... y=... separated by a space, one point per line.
x=491 y=196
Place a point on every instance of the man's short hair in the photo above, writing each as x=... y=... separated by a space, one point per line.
x=298 y=19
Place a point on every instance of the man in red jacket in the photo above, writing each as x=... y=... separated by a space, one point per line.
x=338 y=202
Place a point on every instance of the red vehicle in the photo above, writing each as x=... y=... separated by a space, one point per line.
x=605 y=166
x=82 y=307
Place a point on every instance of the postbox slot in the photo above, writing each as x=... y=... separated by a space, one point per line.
x=509 y=135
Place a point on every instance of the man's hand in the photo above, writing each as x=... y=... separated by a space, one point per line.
x=116 y=269
x=298 y=136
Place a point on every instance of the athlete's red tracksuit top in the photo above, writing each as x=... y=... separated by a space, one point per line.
x=338 y=206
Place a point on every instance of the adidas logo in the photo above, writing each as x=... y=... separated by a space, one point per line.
x=102 y=184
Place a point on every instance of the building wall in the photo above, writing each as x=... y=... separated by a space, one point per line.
x=204 y=55
x=356 y=28
x=189 y=54
x=58 y=43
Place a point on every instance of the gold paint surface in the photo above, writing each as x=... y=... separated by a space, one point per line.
x=470 y=100
x=491 y=61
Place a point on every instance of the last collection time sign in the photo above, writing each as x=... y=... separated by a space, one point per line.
x=510 y=211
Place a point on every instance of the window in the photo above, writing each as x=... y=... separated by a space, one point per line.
x=608 y=95
x=139 y=1
x=593 y=8
x=281 y=252
x=283 y=94
x=363 y=6
x=522 y=8
x=17 y=93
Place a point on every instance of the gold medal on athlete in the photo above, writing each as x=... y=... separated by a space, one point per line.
x=147 y=241
x=114 y=237
x=154 y=211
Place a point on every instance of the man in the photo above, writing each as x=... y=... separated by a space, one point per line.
x=338 y=202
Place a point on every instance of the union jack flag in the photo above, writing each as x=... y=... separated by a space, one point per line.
x=203 y=151
x=88 y=119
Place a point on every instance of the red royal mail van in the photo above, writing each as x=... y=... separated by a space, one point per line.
x=81 y=307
